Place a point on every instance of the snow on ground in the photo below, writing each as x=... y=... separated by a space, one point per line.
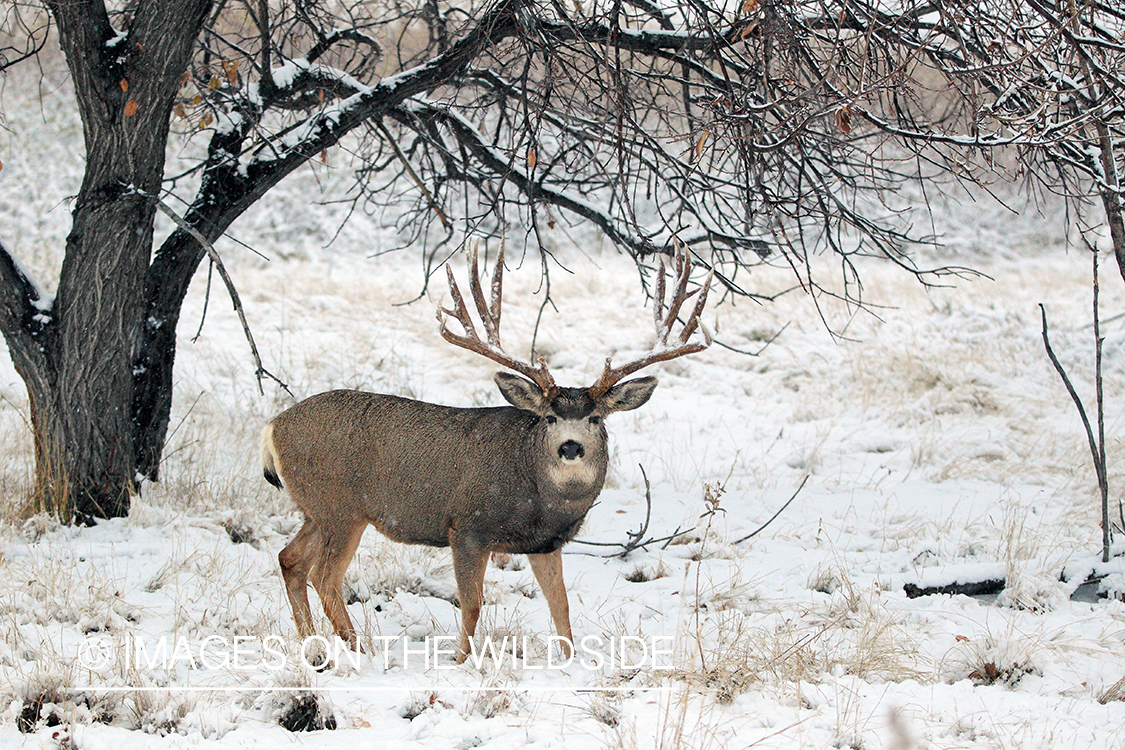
x=937 y=441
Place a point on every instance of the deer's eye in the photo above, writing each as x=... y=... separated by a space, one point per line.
x=551 y=419
x=595 y=420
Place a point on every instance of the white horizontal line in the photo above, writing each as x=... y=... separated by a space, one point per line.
x=365 y=689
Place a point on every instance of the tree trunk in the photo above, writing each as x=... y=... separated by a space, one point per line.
x=76 y=356
x=77 y=353
x=88 y=437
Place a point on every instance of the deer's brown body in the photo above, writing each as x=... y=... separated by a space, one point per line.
x=505 y=479
x=516 y=479
x=422 y=473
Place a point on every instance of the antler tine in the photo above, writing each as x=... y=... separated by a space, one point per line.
x=694 y=321
x=461 y=313
x=490 y=318
x=489 y=314
x=664 y=322
x=680 y=296
x=498 y=289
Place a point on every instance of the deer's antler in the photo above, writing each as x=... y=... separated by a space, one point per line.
x=490 y=318
x=663 y=351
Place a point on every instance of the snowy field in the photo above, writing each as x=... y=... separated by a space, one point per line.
x=938 y=443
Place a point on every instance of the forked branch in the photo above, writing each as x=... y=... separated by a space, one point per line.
x=664 y=322
x=489 y=314
x=217 y=262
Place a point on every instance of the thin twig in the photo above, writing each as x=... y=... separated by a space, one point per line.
x=758 y=530
x=206 y=302
x=259 y=369
x=1111 y=319
x=1099 y=465
x=758 y=353
x=1069 y=388
x=393 y=143
x=172 y=434
x=1103 y=475
x=545 y=281
x=644 y=545
x=634 y=537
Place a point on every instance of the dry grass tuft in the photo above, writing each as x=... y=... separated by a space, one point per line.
x=1029 y=583
x=417 y=704
x=992 y=660
x=604 y=708
x=1115 y=692
x=644 y=573
x=731 y=649
x=47 y=702
x=491 y=700
x=159 y=713
x=381 y=569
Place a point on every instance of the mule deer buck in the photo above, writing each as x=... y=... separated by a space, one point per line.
x=513 y=479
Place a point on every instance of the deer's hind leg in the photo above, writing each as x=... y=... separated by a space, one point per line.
x=337 y=548
x=297 y=560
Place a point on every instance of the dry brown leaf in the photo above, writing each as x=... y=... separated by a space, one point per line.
x=699 y=144
x=124 y=84
x=130 y=107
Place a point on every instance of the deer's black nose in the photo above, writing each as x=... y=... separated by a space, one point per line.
x=571 y=450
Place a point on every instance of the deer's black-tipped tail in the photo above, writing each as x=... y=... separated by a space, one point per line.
x=273 y=478
x=269 y=461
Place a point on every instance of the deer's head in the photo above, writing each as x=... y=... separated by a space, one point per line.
x=569 y=431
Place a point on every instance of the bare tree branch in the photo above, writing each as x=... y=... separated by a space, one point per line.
x=216 y=259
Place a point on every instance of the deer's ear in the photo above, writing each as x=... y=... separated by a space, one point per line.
x=520 y=392
x=628 y=395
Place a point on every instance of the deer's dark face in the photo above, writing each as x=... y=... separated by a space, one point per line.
x=573 y=434
x=570 y=437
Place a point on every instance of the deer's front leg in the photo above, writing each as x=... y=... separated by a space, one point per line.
x=468 y=568
x=548 y=571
